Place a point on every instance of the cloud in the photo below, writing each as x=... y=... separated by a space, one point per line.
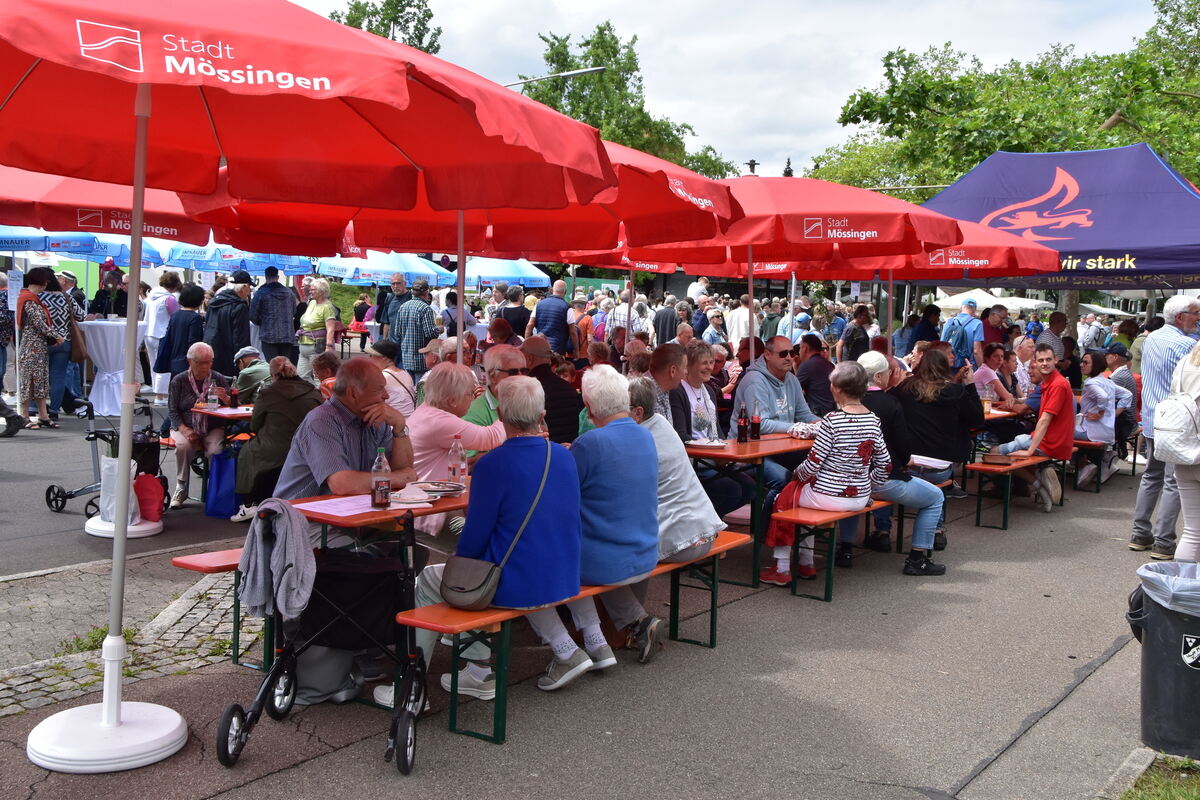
x=766 y=79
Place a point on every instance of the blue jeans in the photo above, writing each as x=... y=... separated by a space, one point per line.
x=921 y=495
x=60 y=358
x=75 y=379
x=1022 y=442
x=883 y=517
x=726 y=493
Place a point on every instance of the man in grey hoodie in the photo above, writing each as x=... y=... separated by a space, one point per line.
x=770 y=387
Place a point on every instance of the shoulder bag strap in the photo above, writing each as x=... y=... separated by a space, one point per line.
x=529 y=514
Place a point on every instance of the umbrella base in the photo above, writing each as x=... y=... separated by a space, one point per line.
x=104 y=530
x=75 y=741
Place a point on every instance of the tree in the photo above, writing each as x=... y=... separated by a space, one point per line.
x=787 y=169
x=406 y=21
x=613 y=101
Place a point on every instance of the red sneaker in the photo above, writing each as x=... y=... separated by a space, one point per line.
x=806 y=573
x=774 y=576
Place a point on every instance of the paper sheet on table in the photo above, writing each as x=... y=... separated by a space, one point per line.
x=350 y=505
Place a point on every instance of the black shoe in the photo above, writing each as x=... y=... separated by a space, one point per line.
x=939 y=540
x=1140 y=542
x=923 y=566
x=955 y=492
x=879 y=541
x=14 y=424
x=844 y=557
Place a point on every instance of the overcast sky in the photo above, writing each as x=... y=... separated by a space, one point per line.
x=765 y=79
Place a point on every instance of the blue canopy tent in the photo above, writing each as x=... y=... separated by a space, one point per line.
x=223 y=258
x=116 y=247
x=1120 y=218
x=486 y=271
x=378 y=268
x=18 y=239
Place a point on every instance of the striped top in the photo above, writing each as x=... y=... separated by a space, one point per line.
x=849 y=456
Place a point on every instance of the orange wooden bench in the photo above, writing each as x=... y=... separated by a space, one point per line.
x=819 y=521
x=227 y=561
x=493 y=626
x=1006 y=471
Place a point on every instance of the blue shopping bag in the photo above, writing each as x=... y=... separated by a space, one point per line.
x=221 y=500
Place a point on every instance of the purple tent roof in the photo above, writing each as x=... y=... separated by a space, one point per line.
x=1120 y=218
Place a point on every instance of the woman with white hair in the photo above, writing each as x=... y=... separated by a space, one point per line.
x=449 y=392
x=318 y=326
x=620 y=539
x=544 y=566
x=901 y=487
x=193 y=432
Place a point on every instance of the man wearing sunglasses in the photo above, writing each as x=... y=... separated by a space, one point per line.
x=500 y=362
x=770 y=387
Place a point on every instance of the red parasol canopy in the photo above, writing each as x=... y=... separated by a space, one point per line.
x=655 y=200
x=804 y=219
x=299 y=108
x=70 y=204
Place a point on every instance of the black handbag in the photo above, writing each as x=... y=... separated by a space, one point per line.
x=471 y=583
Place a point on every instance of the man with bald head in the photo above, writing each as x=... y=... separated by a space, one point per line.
x=549 y=318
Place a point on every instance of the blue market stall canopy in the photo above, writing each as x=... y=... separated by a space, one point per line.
x=378 y=268
x=487 y=271
x=1120 y=218
x=15 y=238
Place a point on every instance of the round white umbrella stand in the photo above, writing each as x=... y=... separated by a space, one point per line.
x=111 y=735
x=106 y=530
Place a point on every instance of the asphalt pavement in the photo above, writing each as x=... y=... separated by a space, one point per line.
x=1013 y=676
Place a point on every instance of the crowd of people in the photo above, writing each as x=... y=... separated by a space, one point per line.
x=562 y=405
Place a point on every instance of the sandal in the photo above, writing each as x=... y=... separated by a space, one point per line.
x=47 y=423
x=33 y=426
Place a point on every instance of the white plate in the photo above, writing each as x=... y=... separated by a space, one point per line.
x=440 y=487
x=714 y=444
x=409 y=495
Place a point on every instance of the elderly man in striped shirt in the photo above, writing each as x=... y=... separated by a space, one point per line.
x=1161 y=352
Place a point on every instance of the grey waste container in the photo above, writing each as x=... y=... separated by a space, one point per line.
x=1165 y=617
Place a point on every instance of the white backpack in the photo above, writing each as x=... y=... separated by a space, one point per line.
x=1177 y=419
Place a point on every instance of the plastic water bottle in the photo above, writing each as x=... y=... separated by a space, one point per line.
x=457 y=471
x=381 y=480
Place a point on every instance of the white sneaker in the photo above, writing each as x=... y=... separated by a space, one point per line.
x=244 y=513
x=1111 y=465
x=179 y=498
x=1086 y=474
x=469 y=685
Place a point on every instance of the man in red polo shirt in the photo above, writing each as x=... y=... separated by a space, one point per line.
x=1054 y=434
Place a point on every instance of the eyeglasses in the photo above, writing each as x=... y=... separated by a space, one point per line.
x=511 y=372
x=780 y=354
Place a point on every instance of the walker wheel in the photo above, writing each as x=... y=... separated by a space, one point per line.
x=406 y=741
x=92 y=508
x=231 y=735
x=282 y=694
x=56 y=498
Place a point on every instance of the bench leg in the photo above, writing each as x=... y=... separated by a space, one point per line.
x=707 y=572
x=1062 y=481
x=1007 y=476
x=1008 y=479
x=830 y=542
x=500 y=644
x=978 y=498
x=899 y=512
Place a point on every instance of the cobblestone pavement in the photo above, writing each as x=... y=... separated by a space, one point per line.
x=38 y=611
x=191 y=632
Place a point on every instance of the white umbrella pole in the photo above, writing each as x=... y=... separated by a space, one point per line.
x=791 y=307
x=113 y=736
x=890 y=312
x=750 y=292
x=461 y=286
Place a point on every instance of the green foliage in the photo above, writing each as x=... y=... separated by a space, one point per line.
x=937 y=114
x=406 y=21
x=92 y=640
x=344 y=297
x=613 y=101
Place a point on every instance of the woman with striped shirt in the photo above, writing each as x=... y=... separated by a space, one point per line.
x=848 y=460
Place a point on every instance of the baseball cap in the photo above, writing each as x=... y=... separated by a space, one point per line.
x=434 y=346
x=874 y=362
x=1118 y=349
x=971 y=303
x=246 y=351
x=241 y=277
x=537 y=346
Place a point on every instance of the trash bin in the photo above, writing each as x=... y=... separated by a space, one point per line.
x=1164 y=613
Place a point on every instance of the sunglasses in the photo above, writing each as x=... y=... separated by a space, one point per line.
x=511 y=372
x=780 y=354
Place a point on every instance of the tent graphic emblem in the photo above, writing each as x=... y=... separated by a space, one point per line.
x=110 y=44
x=1033 y=219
